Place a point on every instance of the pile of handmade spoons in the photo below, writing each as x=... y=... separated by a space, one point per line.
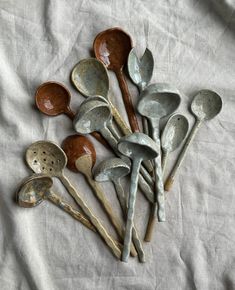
x=141 y=157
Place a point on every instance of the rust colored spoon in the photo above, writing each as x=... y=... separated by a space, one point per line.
x=112 y=47
x=53 y=99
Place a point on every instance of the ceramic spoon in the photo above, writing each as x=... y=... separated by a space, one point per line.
x=154 y=105
x=94 y=115
x=112 y=47
x=137 y=147
x=90 y=78
x=140 y=72
x=113 y=170
x=172 y=136
x=53 y=99
x=205 y=106
x=81 y=158
x=36 y=188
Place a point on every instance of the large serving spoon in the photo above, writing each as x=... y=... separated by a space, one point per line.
x=161 y=101
x=53 y=99
x=81 y=156
x=172 y=136
x=205 y=106
x=93 y=115
x=37 y=188
x=112 y=47
x=90 y=77
x=113 y=169
x=137 y=147
x=140 y=72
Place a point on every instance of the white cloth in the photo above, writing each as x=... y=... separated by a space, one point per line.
x=193 y=46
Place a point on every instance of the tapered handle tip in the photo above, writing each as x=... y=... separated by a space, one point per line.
x=150 y=229
x=168 y=184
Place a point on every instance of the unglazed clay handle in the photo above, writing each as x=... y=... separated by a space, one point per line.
x=127 y=101
x=151 y=224
x=168 y=184
x=94 y=220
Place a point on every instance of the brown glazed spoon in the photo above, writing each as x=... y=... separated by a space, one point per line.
x=112 y=47
x=53 y=99
x=81 y=156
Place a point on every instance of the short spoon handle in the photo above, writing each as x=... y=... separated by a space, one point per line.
x=94 y=220
x=170 y=179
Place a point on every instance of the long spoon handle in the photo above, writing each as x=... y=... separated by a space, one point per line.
x=135 y=237
x=131 y=209
x=94 y=220
x=127 y=101
x=170 y=179
x=108 y=209
x=164 y=161
x=58 y=201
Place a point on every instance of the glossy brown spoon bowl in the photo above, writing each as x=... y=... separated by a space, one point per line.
x=53 y=99
x=112 y=47
x=81 y=158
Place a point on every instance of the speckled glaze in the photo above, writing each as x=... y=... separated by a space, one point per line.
x=112 y=47
x=138 y=147
x=173 y=135
x=114 y=169
x=205 y=106
x=157 y=101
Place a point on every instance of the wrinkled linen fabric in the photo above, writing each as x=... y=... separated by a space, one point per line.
x=193 y=45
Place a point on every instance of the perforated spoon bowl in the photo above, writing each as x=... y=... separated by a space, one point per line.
x=205 y=106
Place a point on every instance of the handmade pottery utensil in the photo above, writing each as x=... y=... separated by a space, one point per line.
x=81 y=158
x=113 y=170
x=137 y=147
x=53 y=99
x=172 y=136
x=90 y=77
x=140 y=72
x=36 y=188
x=154 y=105
x=94 y=115
x=112 y=47
x=205 y=106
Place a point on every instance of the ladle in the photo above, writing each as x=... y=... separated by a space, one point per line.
x=140 y=72
x=205 y=106
x=161 y=101
x=36 y=188
x=94 y=115
x=137 y=147
x=81 y=156
x=112 y=47
x=113 y=169
x=53 y=99
x=173 y=135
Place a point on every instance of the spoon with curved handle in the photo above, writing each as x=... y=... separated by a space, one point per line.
x=140 y=72
x=34 y=189
x=205 y=106
x=136 y=146
x=81 y=158
x=113 y=170
x=53 y=99
x=112 y=47
x=160 y=101
x=172 y=136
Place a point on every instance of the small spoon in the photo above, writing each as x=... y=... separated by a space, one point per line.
x=140 y=72
x=36 y=188
x=172 y=136
x=94 y=115
x=160 y=101
x=113 y=170
x=138 y=147
x=112 y=47
x=81 y=158
x=205 y=106
x=90 y=77
x=53 y=99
